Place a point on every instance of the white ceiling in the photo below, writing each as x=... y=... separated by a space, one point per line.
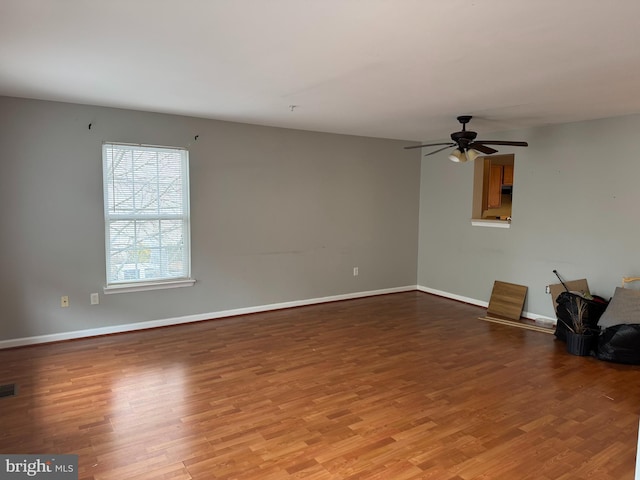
x=399 y=69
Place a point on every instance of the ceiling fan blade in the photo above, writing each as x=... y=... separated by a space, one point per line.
x=482 y=148
x=503 y=142
x=450 y=144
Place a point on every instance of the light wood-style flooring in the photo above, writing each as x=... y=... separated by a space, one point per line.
x=398 y=387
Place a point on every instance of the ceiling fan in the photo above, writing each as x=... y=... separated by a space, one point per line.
x=467 y=147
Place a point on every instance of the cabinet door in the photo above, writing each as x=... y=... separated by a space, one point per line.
x=494 y=198
x=507 y=175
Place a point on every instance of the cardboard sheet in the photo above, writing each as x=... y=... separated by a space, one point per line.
x=573 y=285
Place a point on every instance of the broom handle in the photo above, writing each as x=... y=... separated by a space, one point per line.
x=565 y=287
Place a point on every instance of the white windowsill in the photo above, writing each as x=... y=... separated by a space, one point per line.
x=143 y=286
x=476 y=222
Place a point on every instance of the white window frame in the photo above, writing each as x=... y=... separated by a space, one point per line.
x=111 y=215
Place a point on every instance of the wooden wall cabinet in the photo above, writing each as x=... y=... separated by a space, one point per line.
x=499 y=176
x=494 y=197
x=507 y=175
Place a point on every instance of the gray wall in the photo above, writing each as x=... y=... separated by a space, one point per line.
x=284 y=215
x=277 y=215
x=575 y=209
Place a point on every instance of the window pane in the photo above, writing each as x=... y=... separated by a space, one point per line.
x=146 y=213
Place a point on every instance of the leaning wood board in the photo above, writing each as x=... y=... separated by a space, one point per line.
x=507 y=300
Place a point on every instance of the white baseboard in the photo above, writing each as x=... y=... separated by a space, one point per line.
x=531 y=316
x=165 y=322
x=130 y=327
x=453 y=296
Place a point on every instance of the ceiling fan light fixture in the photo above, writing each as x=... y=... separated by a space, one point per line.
x=472 y=154
x=457 y=156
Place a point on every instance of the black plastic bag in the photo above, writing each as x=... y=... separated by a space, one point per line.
x=620 y=343
x=567 y=302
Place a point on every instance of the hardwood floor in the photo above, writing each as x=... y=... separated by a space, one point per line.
x=401 y=386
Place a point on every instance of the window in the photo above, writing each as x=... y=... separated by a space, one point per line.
x=493 y=190
x=146 y=211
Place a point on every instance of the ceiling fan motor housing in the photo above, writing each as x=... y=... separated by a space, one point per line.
x=464 y=138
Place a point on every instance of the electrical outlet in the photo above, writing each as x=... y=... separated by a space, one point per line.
x=95 y=299
x=355 y=271
x=64 y=301
x=547 y=289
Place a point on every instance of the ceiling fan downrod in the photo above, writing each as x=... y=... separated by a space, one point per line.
x=464 y=119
